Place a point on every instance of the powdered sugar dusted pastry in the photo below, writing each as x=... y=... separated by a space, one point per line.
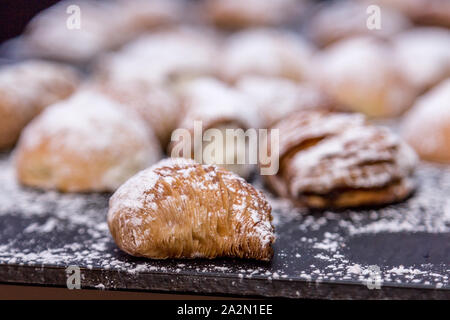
x=25 y=89
x=277 y=97
x=162 y=57
x=424 y=55
x=338 y=160
x=250 y=13
x=180 y=209
x=426 y=127
x=343 y=19
x=265 y=52
x=77 y=31
x=86 y=143
x=363 y=75
x=156 y=104
x=211 y=104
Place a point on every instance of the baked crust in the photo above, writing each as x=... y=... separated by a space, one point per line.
x=26 y=88
x=426 y=127
x=360 y=74
x=83 y=144
x=181 y=209
x=337 y=160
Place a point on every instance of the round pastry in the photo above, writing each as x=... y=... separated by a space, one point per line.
x=337 y=160
x=424 y=55
x=362 y=75
x=102 y=25
x=25 y=89
x=265 y=52
x=250 y=13
x=86 y=143
x=275 y=98
x=428 y=12
x=349 y=18
x=211 y=107
x=180 y=209
x=156 y=104
x=426 y=127
x=162 y=57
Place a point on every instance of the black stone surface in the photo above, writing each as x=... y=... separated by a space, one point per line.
x=42 y=233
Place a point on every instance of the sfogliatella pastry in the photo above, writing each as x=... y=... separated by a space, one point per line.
x=345 y=18
x=265 y=52
x=232 y=14
x=211 y=110
x=181 y=209
x=156 y=104
x=363 y=75
x=77 y=31
x=337 y=160
x=424 y=55
x=83 y=144
x=162 y=57
x=275 y=98
x=426 y=127
x=26 y=88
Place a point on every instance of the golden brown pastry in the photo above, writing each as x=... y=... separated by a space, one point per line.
x=83 y=144
x=25 y=89
x=362 y=75
x=275 y=98
x=162 y=57
x=426 y=127
x=342 y=19
x=211 y=104
x=265 y=52
x=180 y=209
x=428 y=12
x=337 y=160
x=104 y=25
x=156 y=104
x=234 y=14
x=423 y=55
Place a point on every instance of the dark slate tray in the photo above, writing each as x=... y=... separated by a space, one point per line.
x=317 y=255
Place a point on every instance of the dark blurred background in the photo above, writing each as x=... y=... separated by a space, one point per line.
x=15 y=14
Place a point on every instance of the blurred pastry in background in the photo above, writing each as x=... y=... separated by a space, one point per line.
x=362 y=74
x=427 y=12
x=212 y=104
x=156 y=104
x=233 y=14
x=343 y=19
x=265 y=52
x=337 y=160
x=424 y=55
x=162 y=57
x=426 y=127
x=277 y=97
x=26 y=88
x=182 y=209
x=103 y=25
x=87 y=143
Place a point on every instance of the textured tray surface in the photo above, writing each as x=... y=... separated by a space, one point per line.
x=318 y=255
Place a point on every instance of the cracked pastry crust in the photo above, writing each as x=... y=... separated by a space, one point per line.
x=87 y=143
x=26 y=88
x=181 y=209
x=337 y=160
